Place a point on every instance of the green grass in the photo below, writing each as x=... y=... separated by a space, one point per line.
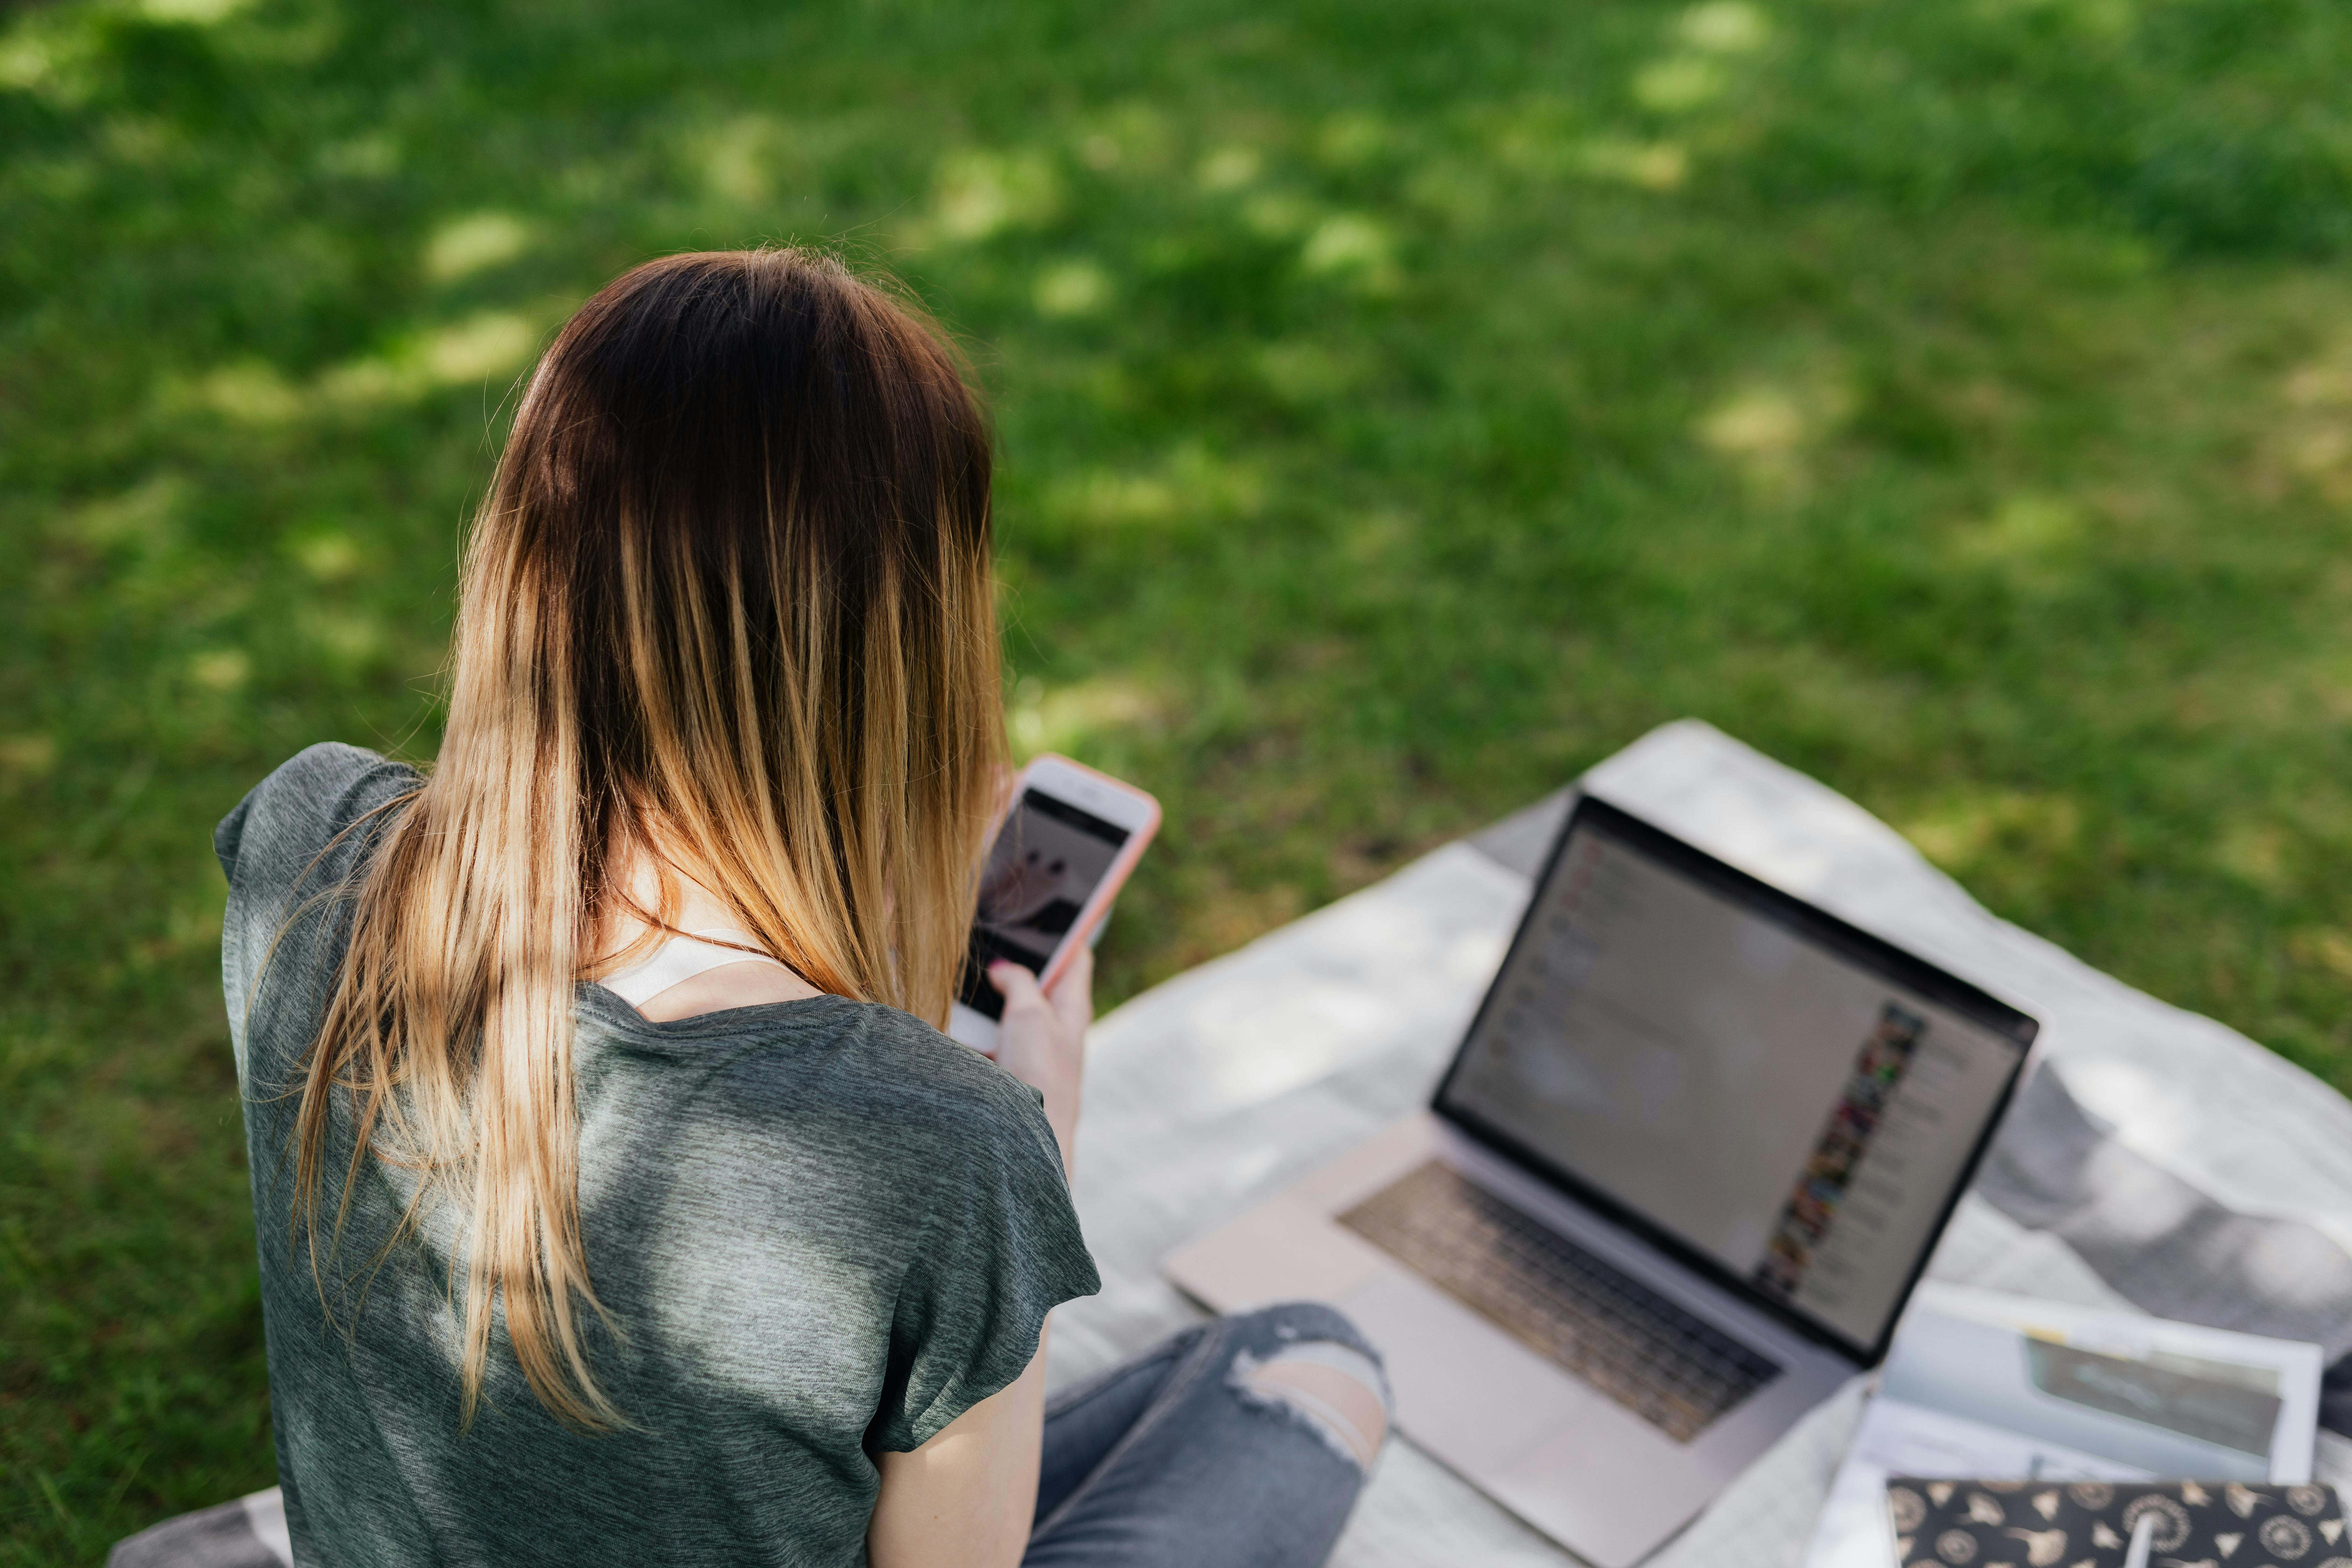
x=1403 y=404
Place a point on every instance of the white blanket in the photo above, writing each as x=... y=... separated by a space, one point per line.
x=2158 y=1162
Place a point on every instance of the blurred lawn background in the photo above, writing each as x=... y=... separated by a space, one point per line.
x=1403 y=404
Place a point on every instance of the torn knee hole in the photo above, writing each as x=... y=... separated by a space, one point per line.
x=1336 y=1391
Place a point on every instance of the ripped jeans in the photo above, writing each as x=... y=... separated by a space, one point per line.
x=1241 y=1443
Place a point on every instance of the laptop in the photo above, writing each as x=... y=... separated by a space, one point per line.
x=1671 y=1192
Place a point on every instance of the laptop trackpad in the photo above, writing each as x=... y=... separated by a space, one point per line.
x=1465 y=1390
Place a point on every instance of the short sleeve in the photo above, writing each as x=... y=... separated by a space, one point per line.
x=230 y=834
x=285 y=836
x=1000 y=1248
x=290 y=817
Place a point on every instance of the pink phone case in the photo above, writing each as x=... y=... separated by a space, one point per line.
x=1130 y=853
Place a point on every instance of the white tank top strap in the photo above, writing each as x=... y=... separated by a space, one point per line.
x=682 y=958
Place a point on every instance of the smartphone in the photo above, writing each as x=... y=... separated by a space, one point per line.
x=1065 y=846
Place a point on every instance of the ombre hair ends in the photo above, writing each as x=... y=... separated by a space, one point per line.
x=728 y=606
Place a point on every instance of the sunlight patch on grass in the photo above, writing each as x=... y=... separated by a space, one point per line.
x=1769 y=430
x=2323 y=383
x=1230 y=168
x=1068 y=718
x=1761 y=421
x=2257 y=852
x=737 y=159
x=1067 y=290
x=1650 y=165
x=473 y=243
x=1352 y=140
x=490 y=344
x=980 y=194
x=221 y=670
x=1190 y=485
x=348 y=637
x=1356 y=247
x=496 y=342
x=1961 y=832
x=146 y=515
x=251 y=392
x=1726 y=27
x=2323 y=947
x=2322 y=453
x=2314 y=441
x=2024 y=533
x=1678 y=84
x=26 y=59
x=195 y=13
x=325 y=553
x=1277 y=215
x=1709 y=38
x=52 y=53
x=23 y=758
x=369 y=157
x=1135 y=137
x=1105 y=497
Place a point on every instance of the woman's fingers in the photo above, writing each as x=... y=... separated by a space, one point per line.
x=1042 y=1039
x=1071 y=1001
x=1015 y=984
x=1072 y=996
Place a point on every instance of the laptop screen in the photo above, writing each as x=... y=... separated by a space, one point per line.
x=1791 y=1099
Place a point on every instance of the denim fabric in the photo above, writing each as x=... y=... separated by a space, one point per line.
x=1166 y=1463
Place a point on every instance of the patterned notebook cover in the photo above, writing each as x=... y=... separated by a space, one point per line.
x=2089 y=1524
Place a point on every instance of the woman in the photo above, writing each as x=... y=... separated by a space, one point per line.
x=618 y=1198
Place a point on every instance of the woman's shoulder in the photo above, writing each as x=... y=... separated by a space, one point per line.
x=898 y=1078
x=288 y=819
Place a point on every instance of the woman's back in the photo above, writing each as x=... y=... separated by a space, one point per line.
x=817 y=1230
x=549 y=1279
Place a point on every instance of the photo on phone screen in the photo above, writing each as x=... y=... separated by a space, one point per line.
x=1046 y=861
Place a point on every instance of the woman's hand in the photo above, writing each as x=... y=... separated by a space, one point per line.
x=1042 y=1039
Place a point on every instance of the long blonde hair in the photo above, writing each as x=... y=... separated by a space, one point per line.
x=728 y=603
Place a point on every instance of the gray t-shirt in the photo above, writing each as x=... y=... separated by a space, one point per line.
x=822 y=1230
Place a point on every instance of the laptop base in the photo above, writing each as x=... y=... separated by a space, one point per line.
x=1572 y=1460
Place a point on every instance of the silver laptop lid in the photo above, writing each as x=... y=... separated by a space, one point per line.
x=1787 y=1103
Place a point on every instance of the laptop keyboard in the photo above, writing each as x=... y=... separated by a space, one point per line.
x=1675 y=1371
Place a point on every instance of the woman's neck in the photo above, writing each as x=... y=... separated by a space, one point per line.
x=693 y=907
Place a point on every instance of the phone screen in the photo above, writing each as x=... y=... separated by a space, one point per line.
x=1047 y=860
